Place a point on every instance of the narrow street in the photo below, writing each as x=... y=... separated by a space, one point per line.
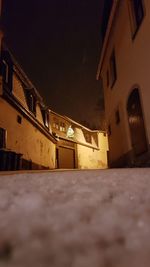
x=96 y=218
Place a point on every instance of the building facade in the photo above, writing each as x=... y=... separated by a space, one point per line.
x=34 y=137
x=78 y=146
x=124 y=68
x=26 y=141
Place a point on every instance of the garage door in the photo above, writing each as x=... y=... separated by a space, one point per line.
x=66 y=158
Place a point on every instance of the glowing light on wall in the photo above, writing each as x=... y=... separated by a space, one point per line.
x=70 y=132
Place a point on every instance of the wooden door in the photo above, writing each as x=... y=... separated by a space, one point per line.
x=136 y=123
x=66 y=158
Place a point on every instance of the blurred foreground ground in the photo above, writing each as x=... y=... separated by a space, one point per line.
x=97 y=218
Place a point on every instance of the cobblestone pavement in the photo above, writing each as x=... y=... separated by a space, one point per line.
x=96 y=218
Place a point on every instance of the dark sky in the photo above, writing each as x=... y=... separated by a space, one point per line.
x=57 y=43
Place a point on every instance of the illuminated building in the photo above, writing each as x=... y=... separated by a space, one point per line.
x=124 y=68
x=25 y=139
x=78 y=146
x=34 y=137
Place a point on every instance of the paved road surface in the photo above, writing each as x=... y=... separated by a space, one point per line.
x=97 y=218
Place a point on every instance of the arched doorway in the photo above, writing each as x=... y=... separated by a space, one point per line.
x=136 y=123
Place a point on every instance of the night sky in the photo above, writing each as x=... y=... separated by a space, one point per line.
x=57 y=43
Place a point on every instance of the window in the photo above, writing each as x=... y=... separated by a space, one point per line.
x=62 y=127
x=46 y=121
x=87 y=137
x=55 y=124
x=113 y=72
x=117 y=115
x=137 y=14
x=31 y=100
x=32 y=103
x=45 y=116
x=2 y=138
x=59 y=125
x=19 y=119
x=5 y=71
